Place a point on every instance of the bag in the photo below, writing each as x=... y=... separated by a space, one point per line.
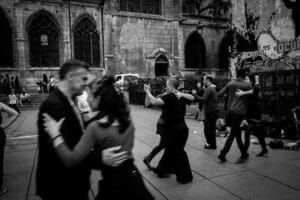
x=276 y=144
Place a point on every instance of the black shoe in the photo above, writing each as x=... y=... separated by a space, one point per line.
x=262 y=153
x=147 y=163
x=242 y=159
x=222 y=158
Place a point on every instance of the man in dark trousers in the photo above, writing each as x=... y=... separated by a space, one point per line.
x=209 y=99
x=54 y=180
x=237 y=107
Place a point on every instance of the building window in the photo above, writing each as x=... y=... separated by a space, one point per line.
x=195 y=52
x=86 y=42
x=141 y=6
x=189 y=7
x=43 y=41
x=6 y=47
x=161 y=66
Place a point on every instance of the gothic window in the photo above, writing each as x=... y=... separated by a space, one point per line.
x=224 y=54
x=6 y=48
x=189 y=7
x=141 y=6
x=195 y=52
x=43 y=41
x=86 y=42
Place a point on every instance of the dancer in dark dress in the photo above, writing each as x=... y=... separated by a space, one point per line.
x=174 y=157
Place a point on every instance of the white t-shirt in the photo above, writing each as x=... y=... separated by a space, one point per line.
x=12 y=99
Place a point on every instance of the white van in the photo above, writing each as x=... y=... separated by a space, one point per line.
x=124 y=79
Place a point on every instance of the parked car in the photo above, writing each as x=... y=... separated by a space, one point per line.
x=124 y=79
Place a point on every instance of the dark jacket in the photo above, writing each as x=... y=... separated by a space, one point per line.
x=53 y=179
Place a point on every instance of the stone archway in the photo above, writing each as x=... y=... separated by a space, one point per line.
x=160 y=58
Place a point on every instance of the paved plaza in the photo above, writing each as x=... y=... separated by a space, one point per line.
x=274 y=177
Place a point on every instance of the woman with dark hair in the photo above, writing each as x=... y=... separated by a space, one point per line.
x=112 y=126
x=176 y=131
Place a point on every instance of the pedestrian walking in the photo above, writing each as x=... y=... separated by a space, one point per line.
x=174 y=107
x=53 y=179
x=110 y=127
x=252 y=123
x=12 y=115
x=13 y=101
x=237 y=107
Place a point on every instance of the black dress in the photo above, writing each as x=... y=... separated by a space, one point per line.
x=175 y=158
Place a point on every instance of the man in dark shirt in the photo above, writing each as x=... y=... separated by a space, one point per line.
x=54 y=180
x=209 y=99
x=237 y=107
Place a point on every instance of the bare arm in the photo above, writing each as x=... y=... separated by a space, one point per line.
x=152 y=99
x=185 y=95
x=241 y=93
x=12 y=115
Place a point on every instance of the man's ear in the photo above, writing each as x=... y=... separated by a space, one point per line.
x=69 y=75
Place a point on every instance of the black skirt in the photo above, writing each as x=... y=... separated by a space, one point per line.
x=123 y=182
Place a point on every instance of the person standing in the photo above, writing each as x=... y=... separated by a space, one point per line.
x=174 y=157
x=237 y=107
x=13 y=101
x=53 y=179
x=209 y=100
x=12 y=115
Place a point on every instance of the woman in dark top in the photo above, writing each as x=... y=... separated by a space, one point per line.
x=173 y=112
x=252 y=123
x=110 y=127
x=12 y=115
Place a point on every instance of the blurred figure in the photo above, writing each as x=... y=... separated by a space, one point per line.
x=12 y=115
x=25 y=98
x=13 y=101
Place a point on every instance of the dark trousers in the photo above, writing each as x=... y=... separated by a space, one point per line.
x=122 y=182
x=235 y=132
x=174 y=156
x=258 y=131
x=2 y=146
x=161 y=145
x=210 y=128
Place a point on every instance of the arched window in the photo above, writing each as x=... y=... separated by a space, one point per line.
x=86 y=42
x=189 y=7
x=195 y=52
x=43 y=41
x=161 y=66
x=6 y=48
x=141 y=6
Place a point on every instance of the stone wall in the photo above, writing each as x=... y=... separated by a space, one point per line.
x=132 y=41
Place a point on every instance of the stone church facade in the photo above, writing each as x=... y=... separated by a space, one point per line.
x=148 y=37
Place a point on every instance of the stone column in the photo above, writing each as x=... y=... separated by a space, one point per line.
x=66 y=35
x=21 y=54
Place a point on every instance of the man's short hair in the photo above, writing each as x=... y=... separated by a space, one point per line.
x=174 y=81
x=209 y=77
x=71 y=65
x=241 y=73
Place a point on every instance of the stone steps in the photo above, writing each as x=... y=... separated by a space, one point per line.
x=36 y=100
